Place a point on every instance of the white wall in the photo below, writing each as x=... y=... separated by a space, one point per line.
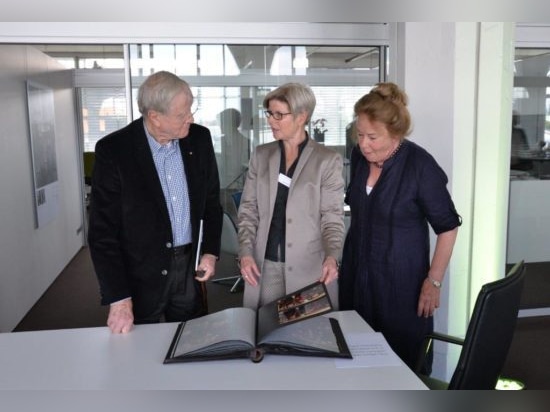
x=30 y=259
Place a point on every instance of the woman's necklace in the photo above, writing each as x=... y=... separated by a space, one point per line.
x=392 y=154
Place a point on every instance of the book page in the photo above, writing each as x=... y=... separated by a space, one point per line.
x=310 y=335
x=310 y=301
x=303 y=304
x=304 y=310
x=229 y=328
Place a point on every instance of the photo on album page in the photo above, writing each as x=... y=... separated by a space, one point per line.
x=312 y=300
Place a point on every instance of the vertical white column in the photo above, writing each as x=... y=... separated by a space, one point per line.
x=492 y=161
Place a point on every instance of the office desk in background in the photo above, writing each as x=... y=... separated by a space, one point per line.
x=93 y=358
x=541 y=164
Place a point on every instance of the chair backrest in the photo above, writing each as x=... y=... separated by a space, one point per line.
x=229 y=239
x=237 y=199
x=89 y=159
x=490 y=332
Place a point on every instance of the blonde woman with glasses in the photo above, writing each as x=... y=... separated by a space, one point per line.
x=291 y=215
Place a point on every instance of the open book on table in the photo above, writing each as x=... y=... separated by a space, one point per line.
x=290 y=325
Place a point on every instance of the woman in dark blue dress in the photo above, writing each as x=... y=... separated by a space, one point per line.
x=397 y=191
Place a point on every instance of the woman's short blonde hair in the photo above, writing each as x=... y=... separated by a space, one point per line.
x=299 y=98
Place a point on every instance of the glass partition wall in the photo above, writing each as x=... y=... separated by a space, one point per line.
x=531 y=115
x=529 y=203
x=229 y=83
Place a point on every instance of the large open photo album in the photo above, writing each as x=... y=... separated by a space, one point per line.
x=290 y=325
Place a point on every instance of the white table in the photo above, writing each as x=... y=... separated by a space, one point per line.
x=93 y=358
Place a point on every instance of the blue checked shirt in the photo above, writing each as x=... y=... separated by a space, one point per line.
x=171 y=171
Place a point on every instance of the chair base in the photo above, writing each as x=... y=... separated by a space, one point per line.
x=237 y=285
x=433 y=384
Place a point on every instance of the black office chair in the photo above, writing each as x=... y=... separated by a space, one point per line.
x=237 y=199
x=488 y=337
x=230 y=245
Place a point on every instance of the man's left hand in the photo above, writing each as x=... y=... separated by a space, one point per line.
x=206 y=268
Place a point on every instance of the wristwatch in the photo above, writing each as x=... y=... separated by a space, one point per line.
x=434 y=282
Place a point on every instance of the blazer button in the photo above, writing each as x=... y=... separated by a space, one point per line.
x=168 y=245
x=164 y=272
x=289 y=244
x=289 y=268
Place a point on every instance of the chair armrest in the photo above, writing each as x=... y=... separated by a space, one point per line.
x=446 y=338
x=427 y=344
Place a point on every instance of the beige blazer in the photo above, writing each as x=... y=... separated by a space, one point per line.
x=314 y=214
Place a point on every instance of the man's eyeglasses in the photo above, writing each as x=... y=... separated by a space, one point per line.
x=193 y=112
x=276 y=115
x=193 y=109
x=190 y=114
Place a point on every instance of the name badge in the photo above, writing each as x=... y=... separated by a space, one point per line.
x=284 y=180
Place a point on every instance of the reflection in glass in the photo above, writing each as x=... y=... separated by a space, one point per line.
x=103 y=112
x=234 y=79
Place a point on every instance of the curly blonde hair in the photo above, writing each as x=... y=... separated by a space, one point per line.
x=386 y=103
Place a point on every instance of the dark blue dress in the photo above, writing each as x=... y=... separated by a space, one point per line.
x=387 y=249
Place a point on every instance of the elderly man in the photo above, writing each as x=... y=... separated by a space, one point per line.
x=155 y=183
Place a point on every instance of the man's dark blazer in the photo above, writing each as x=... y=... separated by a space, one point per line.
x=130 y=234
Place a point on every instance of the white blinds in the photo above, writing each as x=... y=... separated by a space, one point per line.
x=103 y=111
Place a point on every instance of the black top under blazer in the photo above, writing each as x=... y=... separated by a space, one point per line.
x=130 y=234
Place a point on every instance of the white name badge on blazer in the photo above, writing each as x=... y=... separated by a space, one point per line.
x=284 y=179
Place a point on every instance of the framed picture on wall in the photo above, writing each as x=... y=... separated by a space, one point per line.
x=40 y=102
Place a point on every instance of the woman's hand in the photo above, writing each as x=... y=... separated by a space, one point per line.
x=329 y=271
x=249 y=270
x=428 y=301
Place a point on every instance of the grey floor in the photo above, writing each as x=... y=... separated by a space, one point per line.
x=529 y=355
x=72 y=301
